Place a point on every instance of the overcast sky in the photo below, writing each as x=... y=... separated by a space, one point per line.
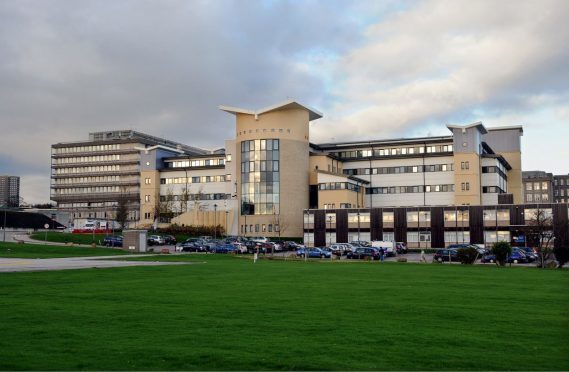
x=375 y=70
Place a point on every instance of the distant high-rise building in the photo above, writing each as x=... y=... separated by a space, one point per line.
x=9 y=191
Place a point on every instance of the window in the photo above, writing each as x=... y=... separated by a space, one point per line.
x=544 y=186
x=529 y=198
x=536 y=185
x=388 y=217
x=228 y=157
x=147 y=198
x=529 y=186
x=147 y=181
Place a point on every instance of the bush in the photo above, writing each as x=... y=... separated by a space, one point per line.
x=501 y=250
x=467 y=256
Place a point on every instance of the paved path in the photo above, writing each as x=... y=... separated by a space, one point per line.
x=71 y=263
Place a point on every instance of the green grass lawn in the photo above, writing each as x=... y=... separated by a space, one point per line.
x=61 y=237
x=15 y=250
x=231 y=314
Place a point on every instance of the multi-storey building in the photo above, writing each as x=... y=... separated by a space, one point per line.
x=561 y=188
x=537 y=187
x=90 y=177
x=9 y=191
x=264 y=178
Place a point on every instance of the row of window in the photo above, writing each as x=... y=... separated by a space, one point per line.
x=401 y=169
x=260 y=145
x=195 y=163
x=409 y=189
x=416 y=238
x=560 y=192
x=259 y=188
x=560 y=181
x=96 y=168
x=260 y=166
x=249 y=208
x=530 y=186
x=414 y=217
x=494 y=169
x=71 y=150
x=395 y=151
x=201 y=179
x=199 y=196
x=259 y=228
x=87 y=190
x=339 y=186
x=89 y=205
x=87 y=159
x=66 y=181
x=342 y=205
x=492 y=190
x=256 y=177
x=531 y=198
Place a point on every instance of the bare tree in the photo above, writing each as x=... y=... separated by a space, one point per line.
x=540 y=234
x=122 y=210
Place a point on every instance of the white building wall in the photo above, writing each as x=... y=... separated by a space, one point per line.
x=407 y=179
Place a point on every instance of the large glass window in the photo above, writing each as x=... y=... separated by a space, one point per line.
x=260 y=177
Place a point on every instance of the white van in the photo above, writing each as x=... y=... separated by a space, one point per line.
x=388 y=247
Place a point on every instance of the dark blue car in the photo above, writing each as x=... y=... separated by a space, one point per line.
x=517 y=256
x=313 y=253
x=113 y=241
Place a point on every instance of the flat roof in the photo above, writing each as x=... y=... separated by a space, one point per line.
x=478 y=125
x=291 y=104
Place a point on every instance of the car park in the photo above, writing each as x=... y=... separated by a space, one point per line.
x=113 y=241
x=442 y=255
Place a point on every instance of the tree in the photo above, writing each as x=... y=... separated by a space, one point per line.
x=501 y=250
x=540 y=234
x=122 y=211
x=467 y=256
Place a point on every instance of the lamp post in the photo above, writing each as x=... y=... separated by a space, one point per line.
x=306 y=244
x=226 y=223
x=358 y=226
x=330 y=227
x=4 y=237
x=214 y=221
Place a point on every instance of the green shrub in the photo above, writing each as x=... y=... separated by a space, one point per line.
x=501 y=250
x=467 y=256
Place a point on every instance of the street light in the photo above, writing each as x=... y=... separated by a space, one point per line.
x=358 y=226
x=330 y=228
x=214 y=221
x=226 y=223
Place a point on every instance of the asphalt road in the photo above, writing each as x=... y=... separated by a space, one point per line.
x=72 y=263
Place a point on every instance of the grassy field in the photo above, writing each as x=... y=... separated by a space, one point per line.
x=14 y=250
x=61 y=237
x=231 y=314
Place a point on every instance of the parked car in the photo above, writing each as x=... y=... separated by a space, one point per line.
x=442 y=255
x=223 y=248
x=480 y=250
x=113 y=241
x=341 y=249
x=169 y=239
x=313 y=253
x=291 y=246
x=531 y=255
x=387 y=246
x=360 y=243
x=517 y=256
x=155 y=240
x=363 y=252
x=191 y=245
